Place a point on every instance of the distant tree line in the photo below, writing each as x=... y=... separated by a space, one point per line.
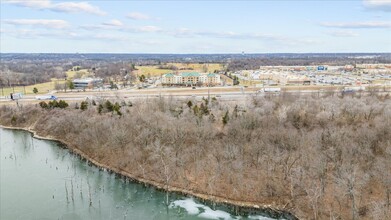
x=255 y=63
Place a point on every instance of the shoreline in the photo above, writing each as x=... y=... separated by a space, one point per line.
x=246 y=207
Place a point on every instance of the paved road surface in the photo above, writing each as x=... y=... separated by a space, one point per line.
x=222 y=93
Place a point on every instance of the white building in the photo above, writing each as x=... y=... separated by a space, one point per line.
x=87 y=83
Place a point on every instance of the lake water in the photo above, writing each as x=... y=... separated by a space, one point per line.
x=41 y=180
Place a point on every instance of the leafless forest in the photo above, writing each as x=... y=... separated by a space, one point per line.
x=316 y=157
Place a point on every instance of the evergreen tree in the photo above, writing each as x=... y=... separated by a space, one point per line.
x=71 y=85
x=62 y=104
x=189 y=104
x=100 y=108
x=109 y=106
x=84 y=105
x=225 y=118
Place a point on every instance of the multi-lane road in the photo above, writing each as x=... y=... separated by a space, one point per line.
x=222 y=93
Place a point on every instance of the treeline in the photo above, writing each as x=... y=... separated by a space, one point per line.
x=28 y=69
x=28 y=73
x=117 y=70
x=255 y=63
x=317 y=157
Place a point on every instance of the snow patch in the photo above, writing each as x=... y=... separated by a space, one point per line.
x=215 y=214
x=188 y=204
x=259 y=217
x=206 y=212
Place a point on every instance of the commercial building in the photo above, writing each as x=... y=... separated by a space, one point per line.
x=87 y=83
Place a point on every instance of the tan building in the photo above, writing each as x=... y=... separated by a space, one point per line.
x=191 y=79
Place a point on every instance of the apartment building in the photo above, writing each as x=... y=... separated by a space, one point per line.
x=191 y=79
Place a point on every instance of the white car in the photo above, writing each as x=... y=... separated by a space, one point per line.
x=46 y=97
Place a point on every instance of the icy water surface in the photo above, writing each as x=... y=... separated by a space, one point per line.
x=40 y=180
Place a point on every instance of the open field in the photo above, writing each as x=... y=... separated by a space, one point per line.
x=42 y=88
x=190 y=67
x=210 y=67
x=71 y=74
x=226 y=79
x=151 y=71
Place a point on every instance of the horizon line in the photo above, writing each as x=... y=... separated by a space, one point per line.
x=228 y=53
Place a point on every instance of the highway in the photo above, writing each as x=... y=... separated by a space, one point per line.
x=221 y=93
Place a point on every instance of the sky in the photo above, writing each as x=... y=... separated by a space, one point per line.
x=127 y=26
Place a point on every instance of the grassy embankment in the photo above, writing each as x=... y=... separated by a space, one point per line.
x=319 y=158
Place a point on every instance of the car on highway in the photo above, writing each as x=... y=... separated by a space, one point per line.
x=46 y=97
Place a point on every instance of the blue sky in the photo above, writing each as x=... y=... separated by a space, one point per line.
x=195 y=26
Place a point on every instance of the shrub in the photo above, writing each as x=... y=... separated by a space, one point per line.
x=83 y=105
x=13 y=119
x=204 y=109
x=109 y=106
x=196 y=110
x=225 y=118
x=53 y=104
x=116 y=108
x=62 y=104
x=43 y=105
x=100 y=108
x=189 y=104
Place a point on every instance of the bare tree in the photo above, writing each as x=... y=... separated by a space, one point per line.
x=351 y=181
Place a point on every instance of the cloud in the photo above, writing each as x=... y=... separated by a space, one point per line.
x=188 y=33
x=46 y=23
x=34 y=34
x=279 y=39
x=101 y=27
x=342 y=33
x=150 y=42
x=357 y=25
x=21 y=33
x=61 y=34
x=114 y=22
x=67 y=7
x=381 y=5
x=148 y=29
x=112 y=37
x=73 y=7
x=130 y=29
x=138 y=16
x=185 y=32
x=36 y=4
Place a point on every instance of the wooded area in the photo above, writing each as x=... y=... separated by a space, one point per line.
x=316 y=157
